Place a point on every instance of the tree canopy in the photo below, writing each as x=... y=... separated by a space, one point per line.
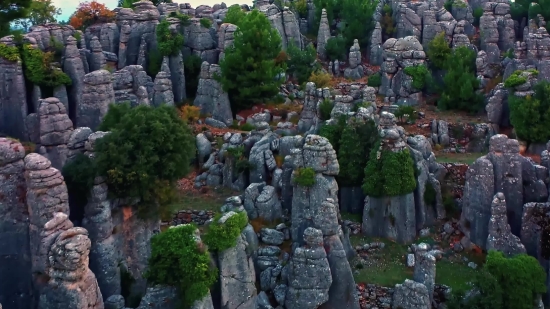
x=89 y=13
x=40 y=12
x=11 y=10
x=252 y=67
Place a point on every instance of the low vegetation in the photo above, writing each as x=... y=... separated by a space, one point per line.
x=220 y=237
x=305 y=177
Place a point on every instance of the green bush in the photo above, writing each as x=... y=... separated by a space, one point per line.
x=251 y=70
x=530 y=115
x=389 y=173
x=387 y=23
x=375 y=80
x=516 y=78
x=10 y=53
x=439 y=51
x=234 y=15
x=154 y=62
x=336 y=48
x=79 y=175
x=301 y=8
x=359 y=23
x=429 y=194
x=247 y=127
x=520 y=277
x=355 y=144
x=145 y=153
x=460 y=83
x=301 y=63
x=477 y=15
x=333 y=132
x=184 y=19
x=405 y=111
x=325 y=108
x=169 y=43
x=220 y=237
x=420 y=74
x=206 y=23
x=235 y=152
x=192 y=65
x=177 y=260
x=39 y=70
x=305 y=177
x=489 y=296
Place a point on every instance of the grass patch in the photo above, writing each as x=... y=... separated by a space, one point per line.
x=212 y=200
x=465 y=158
x=386 y=267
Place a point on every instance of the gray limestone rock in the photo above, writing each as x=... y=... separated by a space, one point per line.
x=14 y=228
x=411 y=295
x=163 y=93
x=237 y=275
x=210 y=96
x=71 y=283
x=424 y=269
x=55 y=131
x=286 y=23
x=159 y=297
x=13 y=107
x=97 y=94
x=262 y=201
x=97 y=59
x=355 y=69
x=271 y=236
x=390 y=217
x=309 y=276
x=177 y=75
x=500 y=236
x=225 y=37
x=323 y=35
x=114 y=302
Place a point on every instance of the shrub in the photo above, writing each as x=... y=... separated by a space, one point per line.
x=39 y=70
x=509 y=54
x=325 y=108
x=332 y=132
x=249 y=72
x=405 y=111
x=320 y=79
x=234 y=15
x=79 y=175
x=301 y=8
x=154 y=62
x=389 y=173
x=419 y=74
x=235 y=152
x=184 y=19
x=178 y=260
x=10 y=53
x=489 y=296
x=220 y=237
x=114 y=116
x=439 y=51
x=301 y=63
x=461 y=83
x=515 y=79
x=304 y=177
x=387 y=23
x=169 y=43
x=192 y=65
x=530 y=115
x=206 y=23
x=247 y=127
x=190 y=113
x=336 y=48
x=355 y=144
x=358 y=17
x=375 y=80
x=477 y=15
x=147 y=151
x=520 y=277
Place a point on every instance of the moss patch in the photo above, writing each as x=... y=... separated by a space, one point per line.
x=462 y=158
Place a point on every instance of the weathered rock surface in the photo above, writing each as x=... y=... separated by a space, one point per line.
x=97 y=94
x=411 y=295
x=55 y=131
x=500 y=235
x=210 y=96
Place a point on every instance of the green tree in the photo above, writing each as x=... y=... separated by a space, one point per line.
x=336 y=48
x=234 y=15
x=40 y=12
x=178 y=260
x=438 y=51
x=169 y=42
x=358 y=18
x=520 y=9
x=355 y=144
x=530 y=115
x=250 y=72
x=301 y=63
x=489 y=296
x=460 y=82
x=11 y=11
x=147 y=151
x=332 y=7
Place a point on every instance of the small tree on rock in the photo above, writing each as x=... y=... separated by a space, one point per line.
x=89 y=13
x=250 y=70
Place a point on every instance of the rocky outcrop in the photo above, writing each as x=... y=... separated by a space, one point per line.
x=225 y=37
x=500 y=235
x=72 y=284
x=97 y=94
x=163 y=87
x=309 y=117
x=200 y=41
x=375 y=46
x=55 y=131
x=262 y=201
x=177 y=76
x=13 y=106
x=74 y=67
x=237 y=274
x=97 y=59
x=210 y=96
x=46 y=195
x=355 y=69
x=108 y=35
x=424 y=268
x=159 y=297
x=411 y=295
x=286 y=24
x=309 y=273
x=323 y=35
x=16 y=292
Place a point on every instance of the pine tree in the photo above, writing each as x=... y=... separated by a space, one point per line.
x=11 y=10
x=251 y=68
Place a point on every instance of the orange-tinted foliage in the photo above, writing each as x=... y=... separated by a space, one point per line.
x=89 y=13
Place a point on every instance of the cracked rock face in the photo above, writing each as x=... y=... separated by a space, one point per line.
x=72 y=284
x=500 y=234
x=411 y=295
x=262 y=201
x=97 y=94
x=210 y=96
x=55 y=131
